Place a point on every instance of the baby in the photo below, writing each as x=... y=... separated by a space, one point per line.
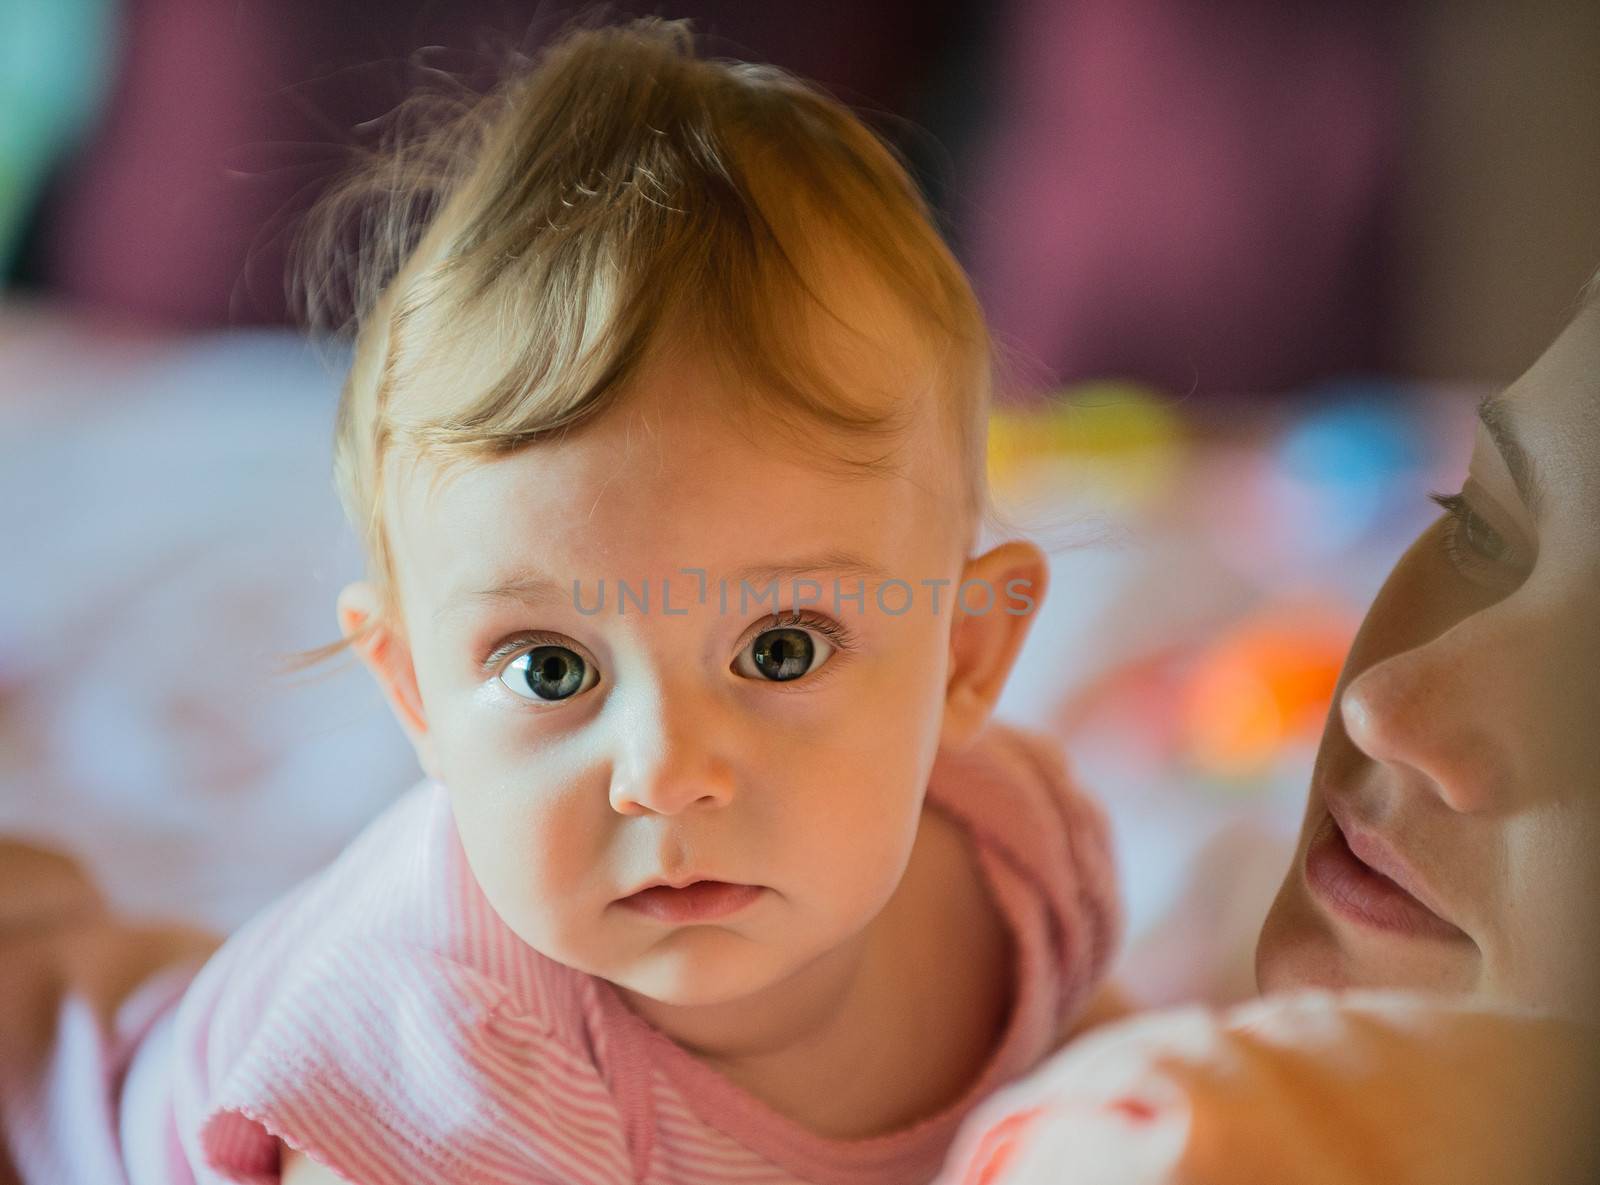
x=667 y=444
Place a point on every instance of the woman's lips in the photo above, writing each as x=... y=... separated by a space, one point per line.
x=702 y=901
x=1357 y=891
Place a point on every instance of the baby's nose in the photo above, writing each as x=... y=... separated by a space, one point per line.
x=669 y=761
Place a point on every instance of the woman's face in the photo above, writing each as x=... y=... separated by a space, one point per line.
x=1452 y=836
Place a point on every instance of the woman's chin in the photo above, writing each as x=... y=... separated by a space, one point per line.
x=1296 y=948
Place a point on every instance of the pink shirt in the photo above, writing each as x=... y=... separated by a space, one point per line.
x=382 y=1018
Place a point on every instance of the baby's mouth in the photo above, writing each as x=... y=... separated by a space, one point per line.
x=697 y=902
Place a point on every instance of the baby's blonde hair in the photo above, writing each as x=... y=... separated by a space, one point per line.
x=594 y=209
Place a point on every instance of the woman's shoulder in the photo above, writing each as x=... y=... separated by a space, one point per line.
x=1365 y=1085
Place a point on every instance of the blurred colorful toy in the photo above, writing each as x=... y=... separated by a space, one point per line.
x=1263 y=686
x=1348 y=460
x=53 y=80
x=1119 y=442
x=1227 y=709
x=1332 y=483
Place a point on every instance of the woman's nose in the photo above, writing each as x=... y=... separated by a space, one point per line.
x=668 y=761
x=1439 y=715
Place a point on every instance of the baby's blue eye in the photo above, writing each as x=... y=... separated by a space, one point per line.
x=547 y=673
x=782 y=655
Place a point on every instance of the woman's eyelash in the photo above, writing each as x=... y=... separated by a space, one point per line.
x=1467 y=522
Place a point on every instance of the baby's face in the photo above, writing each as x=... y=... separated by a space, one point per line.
x=587 y=752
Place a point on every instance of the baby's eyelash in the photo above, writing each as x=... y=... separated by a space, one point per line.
x=836 y=633
x=520 y=642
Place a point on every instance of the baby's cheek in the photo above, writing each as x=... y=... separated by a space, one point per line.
x=522 y=859
x=859 y=850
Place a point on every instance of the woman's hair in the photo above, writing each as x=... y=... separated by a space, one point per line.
x=523 y=252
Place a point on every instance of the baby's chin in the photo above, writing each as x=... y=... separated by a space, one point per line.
x=697 y=967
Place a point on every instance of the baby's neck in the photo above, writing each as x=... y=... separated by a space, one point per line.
x=887 y=1029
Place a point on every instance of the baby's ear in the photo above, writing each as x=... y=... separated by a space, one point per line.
x=991 y=620
x=383 y=648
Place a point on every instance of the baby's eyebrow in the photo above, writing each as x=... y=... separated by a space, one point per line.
x=527 y=588
x=835 y=563
x=538 y=591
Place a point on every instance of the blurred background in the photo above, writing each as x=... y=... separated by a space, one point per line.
x=1241 y=195
x=1253 y=259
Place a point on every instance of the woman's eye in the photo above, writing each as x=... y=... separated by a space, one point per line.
x=1469 y=532
x=548 y=673
x=783 y=654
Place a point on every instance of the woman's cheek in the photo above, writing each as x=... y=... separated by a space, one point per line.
x=1423 y=597
x=1552 y=886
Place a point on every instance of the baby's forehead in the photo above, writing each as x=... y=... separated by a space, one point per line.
x=651 y=488
x=664 y=453
x=694 y=425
